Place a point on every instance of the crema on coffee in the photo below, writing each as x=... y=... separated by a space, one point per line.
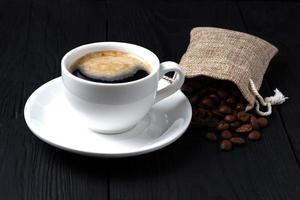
x=110 y=67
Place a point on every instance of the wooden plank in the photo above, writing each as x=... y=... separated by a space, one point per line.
x=56 y=28
x=284 y=33
x=191 y=168
x=13 y=36
x=37 y=34
x=31 y=169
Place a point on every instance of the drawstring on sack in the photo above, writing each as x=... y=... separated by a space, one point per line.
x=277 y=99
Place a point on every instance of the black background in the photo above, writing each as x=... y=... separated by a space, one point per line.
x=35 y=34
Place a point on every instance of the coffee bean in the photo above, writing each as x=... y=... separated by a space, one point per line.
x=245 y=128
x=194 y=100
x=226 y=145
x=222 y=94
x=211 y=136
x=226 y=134
x=243 y=116
x=235 y=125
x=240 y=106
x=237 y=140
x=216 y=113
x=230 y=118
x=207 y=102
x=254 y=135
x=254 y=123
x=263 y=122
x=214 y=98
x=222 y=126
x=225 y=109
x=231 y=100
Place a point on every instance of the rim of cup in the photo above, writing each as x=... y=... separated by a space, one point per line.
x=154 y=64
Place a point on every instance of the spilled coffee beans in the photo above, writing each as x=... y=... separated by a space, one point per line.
x=211 y=136
x=254 y=135
x=225 y=145
x=226 y=134
x=219 y=107
x=237 y=140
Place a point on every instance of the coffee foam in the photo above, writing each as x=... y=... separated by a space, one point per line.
x=110 y=65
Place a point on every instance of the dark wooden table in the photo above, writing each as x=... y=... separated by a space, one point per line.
x=35 y=34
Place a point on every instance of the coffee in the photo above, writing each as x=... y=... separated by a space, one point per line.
x=110 y=67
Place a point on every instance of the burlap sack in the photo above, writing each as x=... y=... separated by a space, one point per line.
x=228 y=55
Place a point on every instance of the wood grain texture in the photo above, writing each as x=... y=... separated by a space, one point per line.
x=12 y=50
x=284 y=71
x=192 y=168
x=37 y=35
x=31 y=169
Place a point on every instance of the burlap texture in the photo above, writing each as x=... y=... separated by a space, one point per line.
x=228 y=55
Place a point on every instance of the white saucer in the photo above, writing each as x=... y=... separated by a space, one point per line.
x=50 y=118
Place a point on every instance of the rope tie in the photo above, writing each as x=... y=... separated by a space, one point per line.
x=276 y=99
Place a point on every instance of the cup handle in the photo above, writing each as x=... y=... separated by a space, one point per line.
x=166 y=67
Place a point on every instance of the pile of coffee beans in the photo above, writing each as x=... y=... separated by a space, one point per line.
x=219 y=108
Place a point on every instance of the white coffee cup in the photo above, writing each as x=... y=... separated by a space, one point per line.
x=116 y=107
